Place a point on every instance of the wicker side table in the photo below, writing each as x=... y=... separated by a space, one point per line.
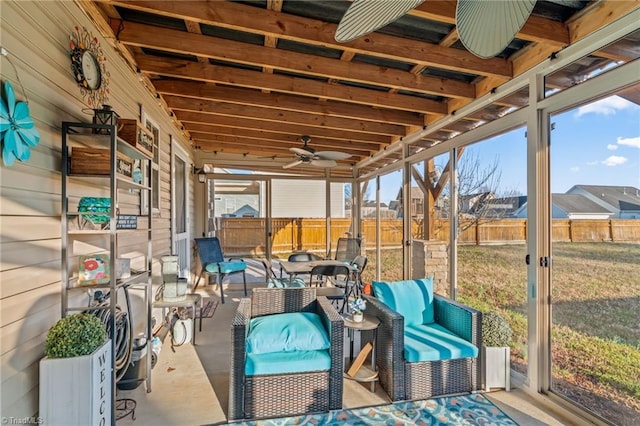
x=358 y=371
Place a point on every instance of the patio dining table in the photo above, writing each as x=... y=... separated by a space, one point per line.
x=300 y=268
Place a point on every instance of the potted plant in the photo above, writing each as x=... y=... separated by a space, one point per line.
x=496 y=336
x=357 y=309
x=76 y=373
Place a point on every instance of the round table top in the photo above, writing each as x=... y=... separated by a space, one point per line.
x=367 y=323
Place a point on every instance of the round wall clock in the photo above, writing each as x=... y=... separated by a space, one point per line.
x=88 y=67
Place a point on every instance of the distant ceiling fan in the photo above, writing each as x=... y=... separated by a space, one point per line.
x=308 y=155
x=485 y=27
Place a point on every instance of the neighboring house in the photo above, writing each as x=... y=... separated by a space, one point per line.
x=622 y=201
x=369 y=210
x=417 y=204
x=503 y=207
x=473 y=205
x=571 y=206
x=232 y=195
x=306 y=198
x=246 y=211
x=290 y=198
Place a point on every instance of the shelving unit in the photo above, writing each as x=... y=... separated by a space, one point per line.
x=134 y=244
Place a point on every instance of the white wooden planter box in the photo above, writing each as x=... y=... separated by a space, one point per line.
x=497 y=368
x=78 y=390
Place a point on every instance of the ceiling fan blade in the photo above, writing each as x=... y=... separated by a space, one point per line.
x=301 y=151
x=292 y=164
x=323 y=163
x=487 y=27
x=365 y=16
x=332 y=155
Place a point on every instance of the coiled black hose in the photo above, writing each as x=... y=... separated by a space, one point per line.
x=123 y=333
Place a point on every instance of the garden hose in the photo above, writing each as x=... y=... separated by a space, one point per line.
x=123 y=333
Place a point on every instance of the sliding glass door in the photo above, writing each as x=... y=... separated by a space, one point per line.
x=595 y=281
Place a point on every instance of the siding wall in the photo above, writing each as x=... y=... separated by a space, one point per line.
x=36 y=35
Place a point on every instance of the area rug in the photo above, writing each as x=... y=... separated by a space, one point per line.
x=208 y=309
x=453 y=410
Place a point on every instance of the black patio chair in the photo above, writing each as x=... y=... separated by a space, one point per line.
x=347 y=249
x=338 y=277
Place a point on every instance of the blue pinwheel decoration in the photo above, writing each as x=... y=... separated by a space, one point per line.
x=17 y=131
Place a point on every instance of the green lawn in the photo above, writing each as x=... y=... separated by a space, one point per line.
x=596 y=305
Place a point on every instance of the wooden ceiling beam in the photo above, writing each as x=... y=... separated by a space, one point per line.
x=245 y=53
x=598 y=15
x=591 y=18
x=254 y=144
x=254 y=150
x=322 y=144
x=536 y=29
x=251 y=112
x=272 y=126
x=267 y=22
x=178 y=68
x=245 y=96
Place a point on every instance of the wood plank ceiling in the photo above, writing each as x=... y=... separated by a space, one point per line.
x=248 y=79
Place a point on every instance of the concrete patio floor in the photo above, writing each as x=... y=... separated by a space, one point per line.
x=190 y=385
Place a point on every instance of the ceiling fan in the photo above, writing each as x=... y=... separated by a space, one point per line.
x=485 y=27
x=308 y=155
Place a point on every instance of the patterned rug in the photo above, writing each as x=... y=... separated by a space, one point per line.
x=453 y=410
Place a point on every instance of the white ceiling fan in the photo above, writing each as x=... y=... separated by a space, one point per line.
x=308 y=155
x=485 y=27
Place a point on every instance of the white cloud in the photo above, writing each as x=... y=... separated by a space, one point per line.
x=633 y=142
x=612 y=147
x=575 y=169
x=606 y=106
x=614 y=160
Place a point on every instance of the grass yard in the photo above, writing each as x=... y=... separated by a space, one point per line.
x=596 y=315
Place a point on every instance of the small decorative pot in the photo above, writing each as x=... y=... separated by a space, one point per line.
x=357 y=317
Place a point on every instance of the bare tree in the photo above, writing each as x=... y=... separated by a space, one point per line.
x=479 y=200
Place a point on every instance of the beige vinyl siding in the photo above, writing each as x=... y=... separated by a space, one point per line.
x=36 y=35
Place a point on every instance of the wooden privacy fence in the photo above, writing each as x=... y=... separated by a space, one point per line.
x=246 y=235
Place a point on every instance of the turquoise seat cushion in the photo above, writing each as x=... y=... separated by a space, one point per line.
x=285 y=283
x=413 y=299
x=294 y=331
x=287 y=362
x=226 y=267
x=435 y=343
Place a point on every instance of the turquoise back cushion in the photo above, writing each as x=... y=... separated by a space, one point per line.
x=295 y=331
x=413 y=299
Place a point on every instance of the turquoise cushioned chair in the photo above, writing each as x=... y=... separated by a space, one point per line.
x=286 y=355
x=427 y=345
x=213 y=262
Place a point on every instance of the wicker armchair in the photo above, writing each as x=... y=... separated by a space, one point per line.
x=278 y=395
x=404 y=380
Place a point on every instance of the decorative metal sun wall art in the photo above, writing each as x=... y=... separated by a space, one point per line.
x=88 y=64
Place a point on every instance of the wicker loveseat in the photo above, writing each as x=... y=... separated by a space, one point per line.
x=433 y=355
x=263 y=385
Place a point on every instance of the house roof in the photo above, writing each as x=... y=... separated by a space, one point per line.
x=372 y=203
x=576 y=203
x=246 y=79
x=619 y=197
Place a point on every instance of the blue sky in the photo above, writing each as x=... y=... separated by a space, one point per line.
x=596 y=144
